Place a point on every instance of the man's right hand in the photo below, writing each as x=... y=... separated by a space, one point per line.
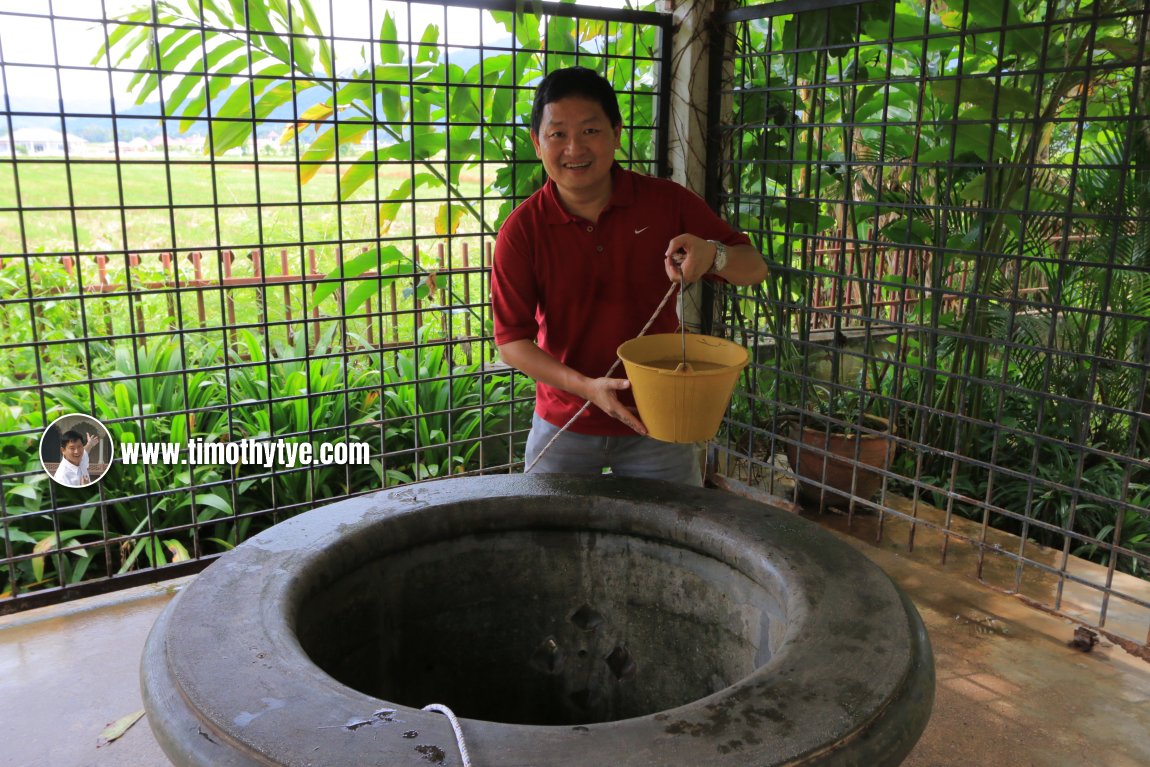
x=525 y=356
x=602 y=393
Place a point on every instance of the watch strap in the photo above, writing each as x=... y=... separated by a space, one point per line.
x=720 y=257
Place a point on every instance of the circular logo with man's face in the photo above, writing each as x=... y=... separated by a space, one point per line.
x=76 y=450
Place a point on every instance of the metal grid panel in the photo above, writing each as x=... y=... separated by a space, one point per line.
x=954 y=202
x=230 y=220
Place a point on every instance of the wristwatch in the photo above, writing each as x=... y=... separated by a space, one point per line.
x=720 y=257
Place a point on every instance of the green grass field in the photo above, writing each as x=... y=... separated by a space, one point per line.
x=191 y=203
x=50 y=210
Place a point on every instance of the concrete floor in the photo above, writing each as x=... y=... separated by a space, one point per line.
x=1011 y=693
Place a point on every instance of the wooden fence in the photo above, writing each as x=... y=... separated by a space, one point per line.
x=848 y=281
x=273 y=279
x=856 y=288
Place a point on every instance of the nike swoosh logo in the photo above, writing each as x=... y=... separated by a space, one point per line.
x=640 y=231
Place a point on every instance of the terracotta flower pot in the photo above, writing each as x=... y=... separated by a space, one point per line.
x=839 y=461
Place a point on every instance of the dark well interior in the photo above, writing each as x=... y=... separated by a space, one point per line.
x=541 y=627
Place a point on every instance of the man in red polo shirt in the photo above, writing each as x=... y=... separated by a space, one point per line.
x=582 y=264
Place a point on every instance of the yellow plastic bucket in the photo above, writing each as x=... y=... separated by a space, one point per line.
x=680 y=404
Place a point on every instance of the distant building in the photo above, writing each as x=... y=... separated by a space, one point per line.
x=138 y=144
x=269 y=145
x=192 y=143
x=39 y=141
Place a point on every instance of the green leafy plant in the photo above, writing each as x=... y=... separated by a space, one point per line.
x=1128 y=529
x=397 y=103
x=299 y=393
x=845 y=389
x=939 y=160
x=441 y=419
x=25 y=489
x=162 y=392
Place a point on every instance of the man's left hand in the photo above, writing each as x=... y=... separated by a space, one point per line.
x=693 y=255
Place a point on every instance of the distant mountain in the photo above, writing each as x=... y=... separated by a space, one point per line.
x=142 y=120
x=145 y=121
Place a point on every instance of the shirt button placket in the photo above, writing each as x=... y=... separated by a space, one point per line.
x=591 y=230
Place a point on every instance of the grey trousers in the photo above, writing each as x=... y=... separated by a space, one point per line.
x=629 y=456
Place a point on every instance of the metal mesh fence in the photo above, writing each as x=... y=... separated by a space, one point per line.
x=228 y=223
x=953 y=198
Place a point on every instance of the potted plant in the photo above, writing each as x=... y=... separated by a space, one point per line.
x=834 y=446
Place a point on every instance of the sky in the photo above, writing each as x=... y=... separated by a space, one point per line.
x=26 y=44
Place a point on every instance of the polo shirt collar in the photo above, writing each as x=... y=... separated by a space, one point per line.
x=622 y=195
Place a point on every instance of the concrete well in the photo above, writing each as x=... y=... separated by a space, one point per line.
x=566 y=621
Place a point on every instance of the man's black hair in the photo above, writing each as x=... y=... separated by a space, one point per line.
x=575 y=81
x=71 y=436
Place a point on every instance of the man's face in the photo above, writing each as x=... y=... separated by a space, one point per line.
x=577 y=144
x=72 y=451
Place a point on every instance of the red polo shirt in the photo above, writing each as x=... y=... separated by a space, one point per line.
x=580 y=289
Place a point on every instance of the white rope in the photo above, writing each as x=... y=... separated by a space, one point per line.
x=579 y=412
x=442 y=709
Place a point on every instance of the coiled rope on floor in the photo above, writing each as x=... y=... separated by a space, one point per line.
x=579 y=412
x=459 y=741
